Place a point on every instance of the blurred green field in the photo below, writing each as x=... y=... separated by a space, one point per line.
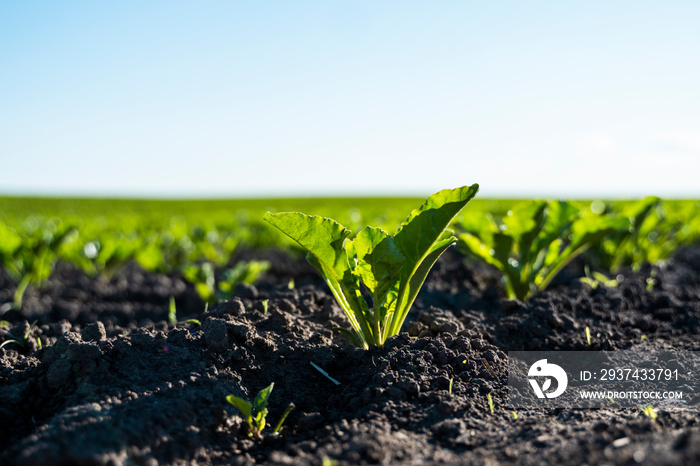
x=377 y=211
x=199 y=238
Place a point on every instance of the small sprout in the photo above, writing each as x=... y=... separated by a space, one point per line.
x=595 y=279
x=491 y=405
x=203 y=278
x=172 y=311
x=266 y=305
x=21 y=342
x=243 y=272
x=326 y=461
x=172 y=315
x=588 y=336
x=644 y=337
x=651 y=281
x=278 y=426
x=649 y=411
x=290 y=284
x=515 y=416
x=450 y=387
x=255 y=412
x=15 y=341
x=611 y=400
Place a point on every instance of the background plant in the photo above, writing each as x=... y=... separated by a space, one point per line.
x=30 y=255
x=203 y=277
x=655 y=231
x=534 y=241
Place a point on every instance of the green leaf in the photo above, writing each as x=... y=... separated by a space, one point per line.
x=323 y=237
x=325 y=240
x=378 y=266
x=172 y=311
x=421 y=235
x=479 y=248
x=10 y=241
x=525 y=219
x=245 y=407
x=260 y=401
x=260 y=419
x=349 y=334
x=416 y=282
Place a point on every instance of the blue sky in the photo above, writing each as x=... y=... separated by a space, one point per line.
x=225 y=98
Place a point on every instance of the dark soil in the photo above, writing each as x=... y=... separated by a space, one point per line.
x=115 y=383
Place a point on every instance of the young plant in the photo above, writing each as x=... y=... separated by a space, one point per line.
x=30 y=257
x=653 y=234
x=651 y=281
x=243 y=272
x=534 y=241
x=391 y=268
x=172 y=315
x=203 y=277
x=255 y=413
x=595 y=279
x=650 y=412
x=21 y=341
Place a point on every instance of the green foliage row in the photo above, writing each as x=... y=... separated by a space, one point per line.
x=528 y=241
x=533 y=241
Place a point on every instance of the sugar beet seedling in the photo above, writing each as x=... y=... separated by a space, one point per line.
x=534 y=241
x=391 y=268
x=256 y=412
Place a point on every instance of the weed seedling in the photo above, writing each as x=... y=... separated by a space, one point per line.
x=515 y=416
x=391 y=268
x=491 y=405
x=588 y=336
x=266 y=305
x=450 y=387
